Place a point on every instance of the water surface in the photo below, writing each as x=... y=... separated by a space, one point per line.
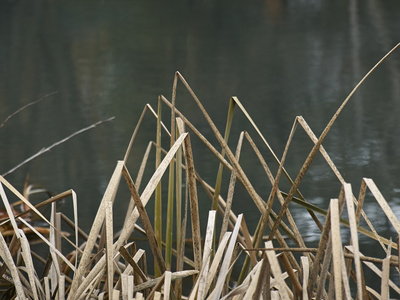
x=280 y=58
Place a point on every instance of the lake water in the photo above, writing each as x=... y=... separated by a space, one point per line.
x=280 y=58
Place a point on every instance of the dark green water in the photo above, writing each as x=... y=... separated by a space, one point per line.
x=280 y=58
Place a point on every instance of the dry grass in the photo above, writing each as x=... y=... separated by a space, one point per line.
x=106 y=264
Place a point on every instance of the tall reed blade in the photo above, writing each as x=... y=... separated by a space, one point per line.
x=170 y=214
x=231 y=189
x=109 y=248
x=383 y=203
x=8 y=260
x=385 y=278
x=158 y=200
x=208 y=244
x=337 y=248
x=180 y=224
x=155 y=248
x=178 y=194
x=227 y=259
x=98 y=221
x=228 y=126
x=9 y=210
x=276 y=271
x=194 y=206
x=26 y=251
x=348 y=194
x=171 y=186
x=306 y=268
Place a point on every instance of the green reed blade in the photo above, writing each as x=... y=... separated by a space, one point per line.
x=171 y=186
x=170 y=216
x=228 y=126
x=178 y=191
x=158 y=196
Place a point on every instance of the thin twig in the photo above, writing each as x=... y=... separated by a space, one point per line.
x=25 y=106
x=43 y=150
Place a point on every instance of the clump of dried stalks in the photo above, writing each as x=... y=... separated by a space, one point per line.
x=108 y=265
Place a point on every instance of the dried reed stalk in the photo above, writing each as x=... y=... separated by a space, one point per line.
x=107 y=264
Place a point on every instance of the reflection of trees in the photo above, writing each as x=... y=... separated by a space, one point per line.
x=29 y=61
x=303 y=60
x=37 y=60
x=38 y=54
x=280 y=58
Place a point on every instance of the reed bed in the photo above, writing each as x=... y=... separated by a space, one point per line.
x=106 y=263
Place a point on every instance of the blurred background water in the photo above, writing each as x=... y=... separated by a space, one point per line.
x=280 y=58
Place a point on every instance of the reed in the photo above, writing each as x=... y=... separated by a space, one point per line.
x=106 y=263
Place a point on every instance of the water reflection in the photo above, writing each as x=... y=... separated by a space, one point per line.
x=280 y=58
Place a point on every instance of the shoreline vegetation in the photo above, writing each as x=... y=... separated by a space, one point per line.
x=274 y=261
